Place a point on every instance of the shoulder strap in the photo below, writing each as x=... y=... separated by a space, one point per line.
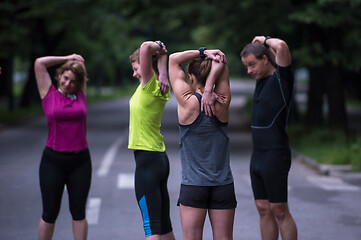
x=199 y=97
x=196 y=122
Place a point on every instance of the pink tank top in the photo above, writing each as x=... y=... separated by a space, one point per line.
x=66 y=121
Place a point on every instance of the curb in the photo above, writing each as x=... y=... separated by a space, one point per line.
x=340 y=171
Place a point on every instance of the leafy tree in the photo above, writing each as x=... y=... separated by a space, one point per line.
x=329 y=33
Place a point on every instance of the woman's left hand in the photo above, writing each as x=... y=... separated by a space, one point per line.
x=216 y=55
x=163 y=84
x=208 y=101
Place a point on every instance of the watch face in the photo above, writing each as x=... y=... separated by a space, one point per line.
x=201 y=52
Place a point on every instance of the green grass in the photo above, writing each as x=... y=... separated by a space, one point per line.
x=9 y=117
x=327 y=146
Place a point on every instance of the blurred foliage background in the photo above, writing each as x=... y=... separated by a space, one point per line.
x=324 y=37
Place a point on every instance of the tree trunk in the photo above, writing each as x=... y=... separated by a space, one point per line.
x=40 y=44
x=6 y=78
x=316 y=91
x=336 y=99
x=326 y=81
x=30 y=91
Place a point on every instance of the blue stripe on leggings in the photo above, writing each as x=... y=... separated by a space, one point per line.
x=145 y=214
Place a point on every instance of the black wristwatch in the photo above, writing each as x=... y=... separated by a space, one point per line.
x=161 y=45
x=201 y=52
x=264 y=43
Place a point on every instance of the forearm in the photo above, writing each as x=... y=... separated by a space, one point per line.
x=213 y=77
x=280 y=49
x=183 y=57
x=49 y=61
x=149 y=48
x=162 y=65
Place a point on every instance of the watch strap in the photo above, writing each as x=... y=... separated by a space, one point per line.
x=265 y=41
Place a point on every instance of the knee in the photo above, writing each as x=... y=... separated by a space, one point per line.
x=280 y=211
x=263 y=207
x=50 y=214
x=49 y=218
x=77 y=213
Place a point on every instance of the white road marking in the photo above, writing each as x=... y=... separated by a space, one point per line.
x=109 y=156
x=93 y=210
x=332 y=183
x=126 y=181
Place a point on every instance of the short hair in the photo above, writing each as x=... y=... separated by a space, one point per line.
x=79 y=71
x=135 y=58
x=258 y=50
x=200 y=68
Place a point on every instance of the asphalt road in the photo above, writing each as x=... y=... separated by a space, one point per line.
x=324 y=208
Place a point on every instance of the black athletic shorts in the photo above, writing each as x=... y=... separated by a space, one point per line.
x=208 y=197
x=269 y=174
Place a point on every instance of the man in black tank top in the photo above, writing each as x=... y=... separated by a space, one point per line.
x=268 y=60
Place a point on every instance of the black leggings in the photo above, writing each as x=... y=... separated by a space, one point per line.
x=151 y=177
x=58 y=169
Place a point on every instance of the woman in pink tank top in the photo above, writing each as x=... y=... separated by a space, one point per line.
x=66 y=159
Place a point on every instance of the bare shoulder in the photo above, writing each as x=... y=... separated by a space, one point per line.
x=188 y=113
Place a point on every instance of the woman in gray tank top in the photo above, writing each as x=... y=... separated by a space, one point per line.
x=206 y=177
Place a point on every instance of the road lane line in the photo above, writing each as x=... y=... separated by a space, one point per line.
x=332 y=183
x=126 y=181
x=93 y=210
x=109 y=156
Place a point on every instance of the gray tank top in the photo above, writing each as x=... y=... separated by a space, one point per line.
x=204 y=151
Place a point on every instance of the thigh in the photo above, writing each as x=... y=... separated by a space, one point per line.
x=222 y=197
x=79 y=179
x=51 y=174
x=150 y=171
x=151 y=177
x=222 y=223
x=276 y=175
x=257 y=179
x=194 y=196
x=192 y=220
x=52 y=182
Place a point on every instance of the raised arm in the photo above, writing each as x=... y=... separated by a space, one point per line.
x=280 y=48
x=222 y=91
x=177 y=77
x=209 y=97
x=42 y=76
x=147 y=50
x=219 y=79
x=163 y=73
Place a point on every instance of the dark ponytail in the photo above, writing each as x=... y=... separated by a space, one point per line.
x=200 y=68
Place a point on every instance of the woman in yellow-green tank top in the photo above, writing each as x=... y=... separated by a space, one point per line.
x=149 y=64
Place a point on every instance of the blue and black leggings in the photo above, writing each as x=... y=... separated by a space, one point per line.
x=151 y=177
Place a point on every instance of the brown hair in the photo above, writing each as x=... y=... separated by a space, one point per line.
x=135 y=58
x=200 y=68
x=258 y=50
x=79 y=71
